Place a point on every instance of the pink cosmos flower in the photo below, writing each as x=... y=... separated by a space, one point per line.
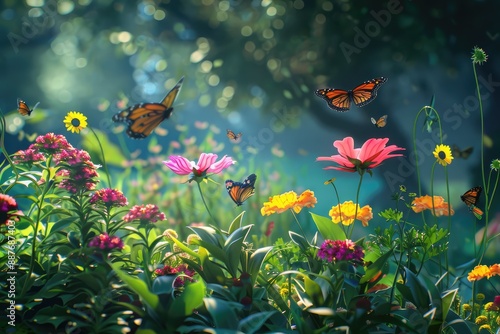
x=206 y=164
x=373 y=152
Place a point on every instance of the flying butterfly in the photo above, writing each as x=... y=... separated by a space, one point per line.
x=340 y=100
x=143 y=118
x=458 y=153
x=470 y=198
x=23 y=108
x=381 y=122
x=241 y=191
x=233 y=137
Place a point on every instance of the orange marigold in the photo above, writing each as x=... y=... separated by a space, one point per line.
x=494 y=269
x=479 y=272
x=288 y=200
x=344 y=213
x=422 y=203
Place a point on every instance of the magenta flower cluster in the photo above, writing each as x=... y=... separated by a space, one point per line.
x=109 y=197
x=7 y=205
x=341 y=250
x=76 y=173
x=148 y=213
x=106 y=242
x=180 y=269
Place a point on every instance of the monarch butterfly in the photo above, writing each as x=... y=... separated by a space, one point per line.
x=233 y=137
x=340 y=100
x=458 y=153
x=241 y=191
x=23 y=108
x=470 y=198
x=143 y=118
x=381 y=122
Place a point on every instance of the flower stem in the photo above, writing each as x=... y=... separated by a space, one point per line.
x=298 y=223
x=205 y=203
x=103 y=158
x=357 y=205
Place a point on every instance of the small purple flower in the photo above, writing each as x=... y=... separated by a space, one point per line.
x=341 y=250
x=106 y=242
x=148 y=213
x=28 y=156
x=206 y=164
x=7 y=206
x=51 y=143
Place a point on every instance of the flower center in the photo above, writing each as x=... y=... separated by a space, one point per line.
x=75 y=122
x=442 y=155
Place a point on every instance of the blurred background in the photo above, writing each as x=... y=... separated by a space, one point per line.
x=253 y=67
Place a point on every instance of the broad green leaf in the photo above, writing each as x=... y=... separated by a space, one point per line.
x=327 y=228
x=313 y=290
x=256 y=260
x=236 y=223
x=222 y=312
x=138 y=286
x=376 y=267
x=254 y=322
x=190 y=299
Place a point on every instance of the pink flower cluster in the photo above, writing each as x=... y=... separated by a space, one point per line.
x=341 y=250
x=7 y=206
x=109 y=197
x=148 y=213
x=180 y=269
x=106 y=242
x=78 y=172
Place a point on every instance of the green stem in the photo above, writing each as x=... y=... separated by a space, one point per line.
x=206 y=206
x=340 y=207
x=103 y=158
x=298 y=223
x=357 y=204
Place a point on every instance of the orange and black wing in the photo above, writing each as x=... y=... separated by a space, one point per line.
x=471 y=196
x=23 y=108
x=143 y=118
x=337 y=99
x=367 y=91
x=381 y=122
x=235 y=138
x=241 y=191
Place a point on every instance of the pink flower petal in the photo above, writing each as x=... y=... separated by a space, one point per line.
x=220 y=165
x=205 y=161
x=179 y=165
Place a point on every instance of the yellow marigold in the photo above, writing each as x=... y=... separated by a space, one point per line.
x=490 y=307
x=479 y=272
x=344 y=213
x=480 y=296
x=497 y=320
x=288 y=200
x=467 y=307
x=480 y=320
x=486 y=326
x=422 y=203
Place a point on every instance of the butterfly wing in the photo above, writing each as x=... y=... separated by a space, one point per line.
x=337 y=99
x=143 y=118
x=23 y=108
x=169 y=99
x=464 y=154
x=235 y=138
x=367 y=91
x=381 y=122
x=241 y=191
x=471 y=196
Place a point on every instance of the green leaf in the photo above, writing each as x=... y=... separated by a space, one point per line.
x=376 y=267
x=256 y=260
x=254 y=322
x=112 y=152
x=236 y=223
x=190 y=299
x=222 y=312
x=327 y=228
x=233 y=248
x=139 y=287
x=313 y=290
x=414 y=290
x=299 y=240
x=446 y=301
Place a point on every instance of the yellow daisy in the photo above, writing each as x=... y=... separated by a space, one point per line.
x=442 y=153
x=75 y=121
